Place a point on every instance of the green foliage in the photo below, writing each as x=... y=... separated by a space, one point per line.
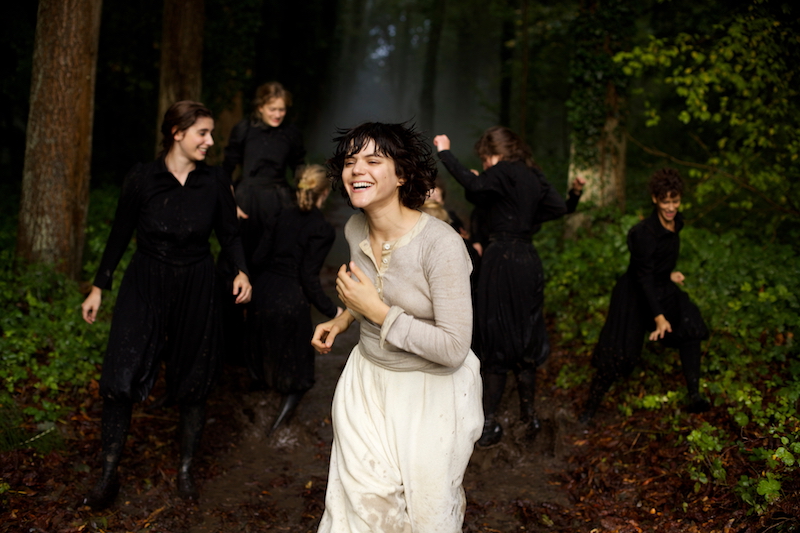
x=739 y=93
x=602 y=29
x=46 y=349
x=747 y=293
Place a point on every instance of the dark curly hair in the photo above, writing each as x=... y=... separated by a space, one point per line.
x=665 y=183
x=499 y=140
x=408 y=148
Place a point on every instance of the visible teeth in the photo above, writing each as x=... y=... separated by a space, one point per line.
x=361 y=185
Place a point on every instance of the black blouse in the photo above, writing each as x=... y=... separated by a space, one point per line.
x=263 y=151
x=654 y=254
x=297 y=249
x=516 y=198
x=173 y=222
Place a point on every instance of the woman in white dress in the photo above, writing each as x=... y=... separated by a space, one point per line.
x=407 y=408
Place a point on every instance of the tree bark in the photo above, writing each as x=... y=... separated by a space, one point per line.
x=56 y=174
x=181 y=56
x=605 y=181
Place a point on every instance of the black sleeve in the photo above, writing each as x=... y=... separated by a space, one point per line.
x=572 y=201
x=125 y=221
x=642 y=245
x=485 y=182
x=316 y=249
x=226 y=225
x=551 y=206
x=234 y=151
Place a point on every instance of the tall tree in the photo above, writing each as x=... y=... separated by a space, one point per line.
x=427 y=106
x=181 y=54
x=55 y=180
x=597 y=104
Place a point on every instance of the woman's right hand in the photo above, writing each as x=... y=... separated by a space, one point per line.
x=91 y=305
x=241 y=214
x=662 y=327
x=326 y=333
x=441 y=142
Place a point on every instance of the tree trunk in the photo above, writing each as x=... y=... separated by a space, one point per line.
x=181 y=56
x=427 y=106
x=507 y=35
x=605 y=181
x=523 y=75
x=58 y=148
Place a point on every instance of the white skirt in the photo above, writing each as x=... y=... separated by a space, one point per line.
x=402 y=441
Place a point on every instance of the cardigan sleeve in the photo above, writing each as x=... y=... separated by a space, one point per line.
x=226 y=225
x=446 y=266
x=551 y=205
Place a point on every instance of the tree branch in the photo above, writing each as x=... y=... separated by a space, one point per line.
x=736 y=179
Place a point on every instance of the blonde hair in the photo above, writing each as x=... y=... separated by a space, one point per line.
x=312 y=184
x=435 y=209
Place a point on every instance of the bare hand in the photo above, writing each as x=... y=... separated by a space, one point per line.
x=325 y=333
x=242 y=288
x=241 y=214
x=359 y=294
x=478 y=248
x=677 y=277
x=475 y=172
x=662 y=327
x=578 y=183
x=91 y=305
x=441 y=142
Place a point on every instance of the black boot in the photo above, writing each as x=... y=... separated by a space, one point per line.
x=690 y=362
x=601 y=382
x=193 y=418
x=115 y=421
x=290 y=403
x=526 y=388
x=493 y=387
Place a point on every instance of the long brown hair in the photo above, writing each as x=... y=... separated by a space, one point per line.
x=499 y=140
x=180 y=117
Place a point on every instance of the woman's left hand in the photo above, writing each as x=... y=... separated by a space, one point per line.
x=359 y=294
x=677 y=277
x=242 y=288
x=441 y=142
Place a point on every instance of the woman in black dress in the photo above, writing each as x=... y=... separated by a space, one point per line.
x=647 y=298
x=285 y=269
x=166 y=309
x=514 y=197
x=264 y=145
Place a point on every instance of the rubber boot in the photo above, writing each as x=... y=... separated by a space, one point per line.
x=115 y=421
x=493 y=387
x=526 y=388
x=290 y=403
x=690 y=362
x=601 y=382
x=193 y=418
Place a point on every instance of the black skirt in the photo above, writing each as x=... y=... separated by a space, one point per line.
x=280 y=330
x=509 y=301
x=621 y=340
x=163 y=313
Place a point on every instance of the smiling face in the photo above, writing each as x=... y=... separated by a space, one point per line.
x=667 y=208
x=370 y=179
x=273 y=112
x=194 y=142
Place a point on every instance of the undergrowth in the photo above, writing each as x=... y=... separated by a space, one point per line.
x=747 y=293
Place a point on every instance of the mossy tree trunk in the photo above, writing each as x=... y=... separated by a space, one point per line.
x=56 y=173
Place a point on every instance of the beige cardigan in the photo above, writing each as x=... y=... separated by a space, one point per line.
x=424 y=278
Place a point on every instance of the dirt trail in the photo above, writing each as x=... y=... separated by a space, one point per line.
x=280 y=479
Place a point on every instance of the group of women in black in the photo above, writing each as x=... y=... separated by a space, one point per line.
x=174 y=304
x=171 y=308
